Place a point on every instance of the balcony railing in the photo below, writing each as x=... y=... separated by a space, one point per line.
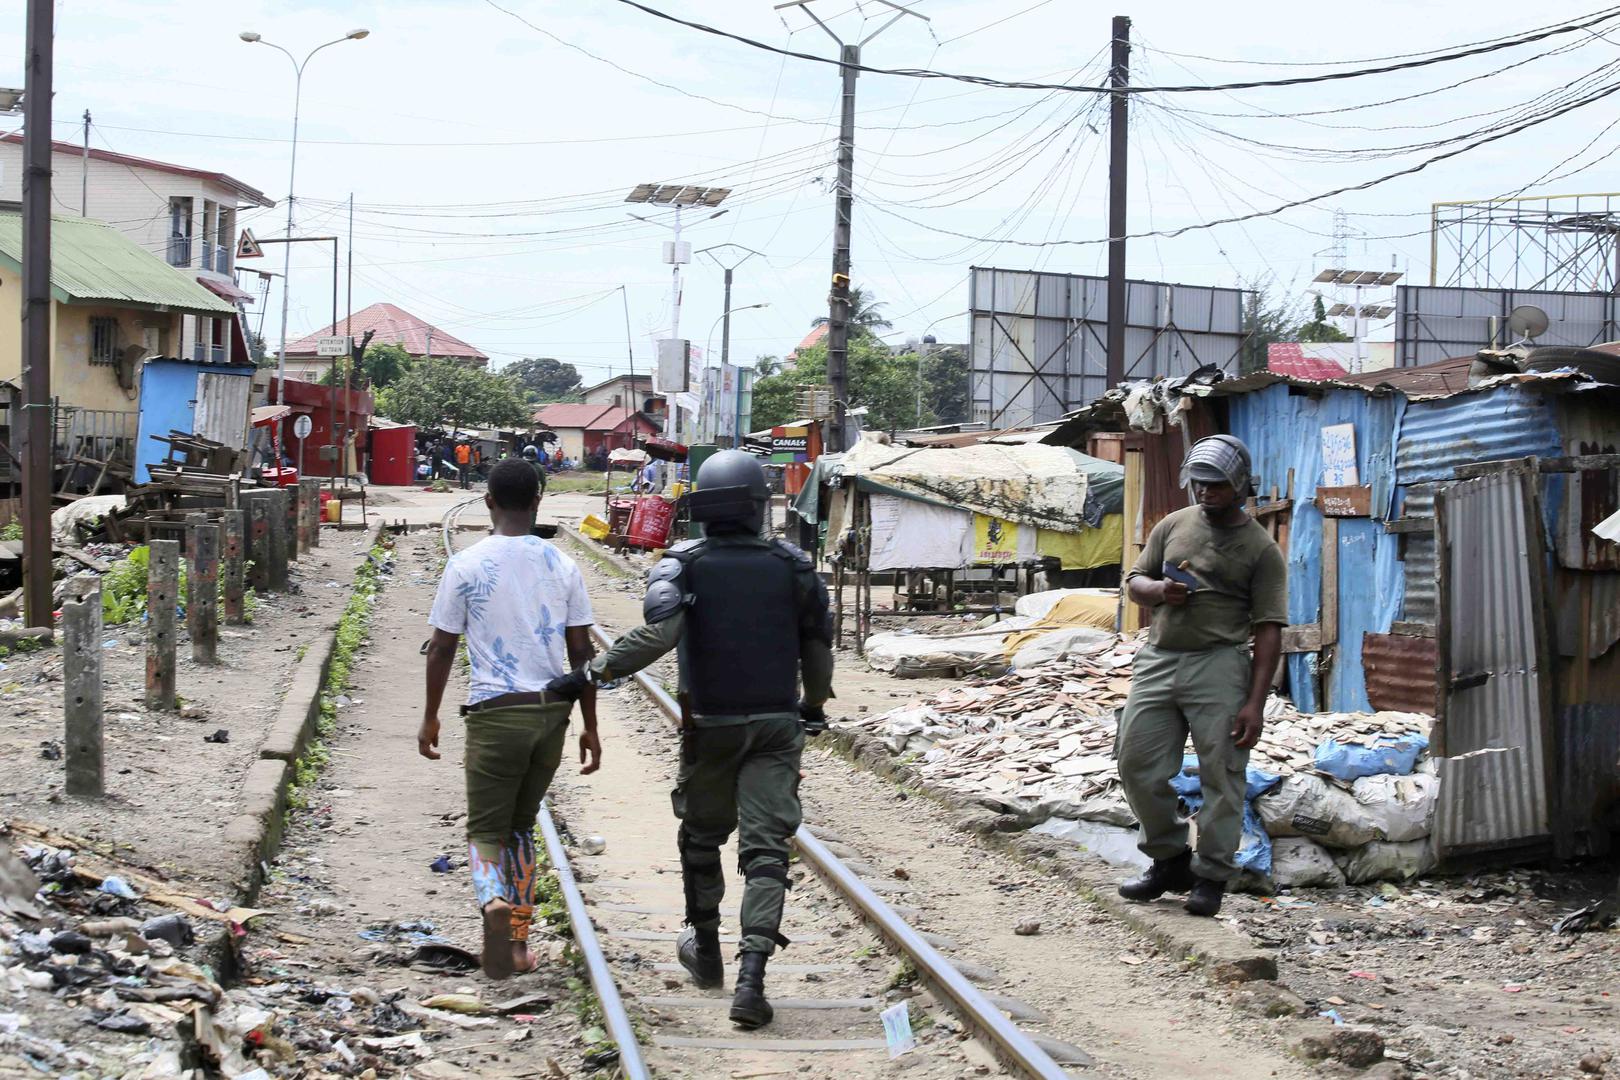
x=217 y=259
x=180 y=251
x=204 y=353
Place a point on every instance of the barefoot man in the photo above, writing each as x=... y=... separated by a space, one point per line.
x=521 y=604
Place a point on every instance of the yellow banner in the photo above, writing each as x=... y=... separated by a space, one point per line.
x=995 y=541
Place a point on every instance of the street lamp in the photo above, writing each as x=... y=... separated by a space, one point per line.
x=725 y=315
x=253 y=38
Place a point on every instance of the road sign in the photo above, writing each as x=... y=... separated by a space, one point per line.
x=247 y=247
x=302 y=425
x=332 y=346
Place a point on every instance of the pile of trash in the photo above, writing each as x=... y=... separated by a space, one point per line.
x=1333 y=797
x=1042 y=627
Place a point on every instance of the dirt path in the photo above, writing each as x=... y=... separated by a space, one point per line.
x=358 y=860
x=1101 y=986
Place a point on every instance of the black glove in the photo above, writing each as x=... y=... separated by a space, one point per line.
x=570 y=686
x=813 y=717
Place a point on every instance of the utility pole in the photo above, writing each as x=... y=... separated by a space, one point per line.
x=1119 y=77
x=36 y=274
x=84 y=170
x=725 y=329
x=629 y=346
x=843 y=214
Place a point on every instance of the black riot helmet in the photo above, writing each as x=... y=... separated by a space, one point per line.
x=731 y=493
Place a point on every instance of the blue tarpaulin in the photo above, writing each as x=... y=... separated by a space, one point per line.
x=1254 y=849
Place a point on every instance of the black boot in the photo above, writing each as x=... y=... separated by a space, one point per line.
x=749 y=1009
x=1205 y=897
x=1165 y=875
x=699 y=953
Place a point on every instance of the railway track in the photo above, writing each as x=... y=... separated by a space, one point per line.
x=826 y=1002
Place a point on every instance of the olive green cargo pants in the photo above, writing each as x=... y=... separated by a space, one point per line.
x=1174 y=694
x=744 y=777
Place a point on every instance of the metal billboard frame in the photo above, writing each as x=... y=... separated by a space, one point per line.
x=1438 y=322
x=1038 y=348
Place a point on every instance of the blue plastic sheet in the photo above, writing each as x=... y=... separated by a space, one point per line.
x=1254 y=847
x=1390 y=755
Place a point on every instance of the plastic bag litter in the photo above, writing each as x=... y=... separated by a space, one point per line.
x=1389 y=755
x=1110 y=843
x=1387 y=861
x=1400 y=806
x=1302 y=863
x=1254 y=846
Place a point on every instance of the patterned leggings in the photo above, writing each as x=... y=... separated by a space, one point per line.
x=508 y=876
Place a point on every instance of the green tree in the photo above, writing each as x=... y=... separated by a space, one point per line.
x=767 y=365
x=1267 y=318
x=544 y=379
x=885 y=383
x=261 y=357
x=945 y=375
x=865 y=314
x=382 y=365
x=445 y=394
x=1317 y=328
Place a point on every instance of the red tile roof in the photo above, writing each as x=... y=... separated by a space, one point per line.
x=587 y=417
x=815 y=337
x=1288 y=358
x=394 y=325
x=250 y=194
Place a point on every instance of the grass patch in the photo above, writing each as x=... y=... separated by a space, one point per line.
x=12 y=531
x=351 y=634
x=905 y=975
x=123 y=589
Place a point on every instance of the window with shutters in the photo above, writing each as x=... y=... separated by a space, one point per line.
x=104 y=341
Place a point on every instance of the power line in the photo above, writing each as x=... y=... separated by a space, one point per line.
x=984 y=80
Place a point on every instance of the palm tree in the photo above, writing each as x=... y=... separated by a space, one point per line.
x=865 y=313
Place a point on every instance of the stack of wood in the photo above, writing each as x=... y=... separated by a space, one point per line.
x=1048 y=732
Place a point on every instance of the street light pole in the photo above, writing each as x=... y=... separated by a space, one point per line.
x=748 y=253
x=292 y=175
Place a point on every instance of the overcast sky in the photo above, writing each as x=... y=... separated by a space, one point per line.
x=488 y=159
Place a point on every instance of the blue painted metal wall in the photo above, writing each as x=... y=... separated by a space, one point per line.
x=1506 y=422
x=168 y=403
x=1282 y=428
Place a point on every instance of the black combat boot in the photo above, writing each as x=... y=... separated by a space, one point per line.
x=749 y=1009
x=699 y=953
x=1205 y=897
x=1165 y=875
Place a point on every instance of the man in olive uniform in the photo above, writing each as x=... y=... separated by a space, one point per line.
x=1213 y=576
x=748 y=616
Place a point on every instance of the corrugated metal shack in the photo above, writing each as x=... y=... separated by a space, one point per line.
x=1457 y=557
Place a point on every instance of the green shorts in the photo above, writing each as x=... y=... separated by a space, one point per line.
x=512 y=755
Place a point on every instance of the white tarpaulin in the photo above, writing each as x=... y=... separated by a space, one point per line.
x=1034 y=484
x=911 y=535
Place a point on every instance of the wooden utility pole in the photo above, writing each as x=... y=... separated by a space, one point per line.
x=36 y=442
x=843 y=213
x=1119 y=77
x=81 y=693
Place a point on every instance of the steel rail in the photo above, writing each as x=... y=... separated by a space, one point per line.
x=1016 y=1048
x=614 y=1016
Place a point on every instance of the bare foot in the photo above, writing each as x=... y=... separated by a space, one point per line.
x=498 y=947
x=522 y=959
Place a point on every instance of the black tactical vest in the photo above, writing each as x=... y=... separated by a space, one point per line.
x=740 y=651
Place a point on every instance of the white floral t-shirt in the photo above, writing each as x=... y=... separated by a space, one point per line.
x=512 y=596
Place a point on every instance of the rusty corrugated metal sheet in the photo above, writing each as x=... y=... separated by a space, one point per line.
x=1496 y=784
x=1400 y=671
x=1493 y=425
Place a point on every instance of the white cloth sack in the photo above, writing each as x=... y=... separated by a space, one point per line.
x=1301 y=863
x=1387 y=861
x=1309 y=806
x=1400 y=806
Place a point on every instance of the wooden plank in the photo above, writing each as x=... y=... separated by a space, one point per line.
x=1302 y=639
x=1352 y=501
x=1410 y=525
x=1412 y=629
x=1330 y=581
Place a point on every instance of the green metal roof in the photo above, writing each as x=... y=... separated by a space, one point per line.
x=91 y=262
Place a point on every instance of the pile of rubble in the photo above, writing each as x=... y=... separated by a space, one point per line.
x=1038 y=744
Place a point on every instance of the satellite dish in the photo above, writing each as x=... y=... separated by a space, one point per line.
x=1527 y=321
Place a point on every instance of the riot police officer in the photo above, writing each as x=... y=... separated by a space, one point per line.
x=748 y=615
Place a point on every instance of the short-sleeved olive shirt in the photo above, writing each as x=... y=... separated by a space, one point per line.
x=1242 y=580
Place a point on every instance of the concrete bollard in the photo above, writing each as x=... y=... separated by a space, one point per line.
x=276 y=548
x=202 y=593
x=295 y=520
x=162 y=591
x=313 y=507
x=81 y=693
x=235 y=567
x=257 y=537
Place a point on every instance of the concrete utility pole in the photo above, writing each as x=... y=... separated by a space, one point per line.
x=1119 y=77
x=81 y=692
x=843 y=213
x=36 y=359
x=725 y=329
x=84 y=170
